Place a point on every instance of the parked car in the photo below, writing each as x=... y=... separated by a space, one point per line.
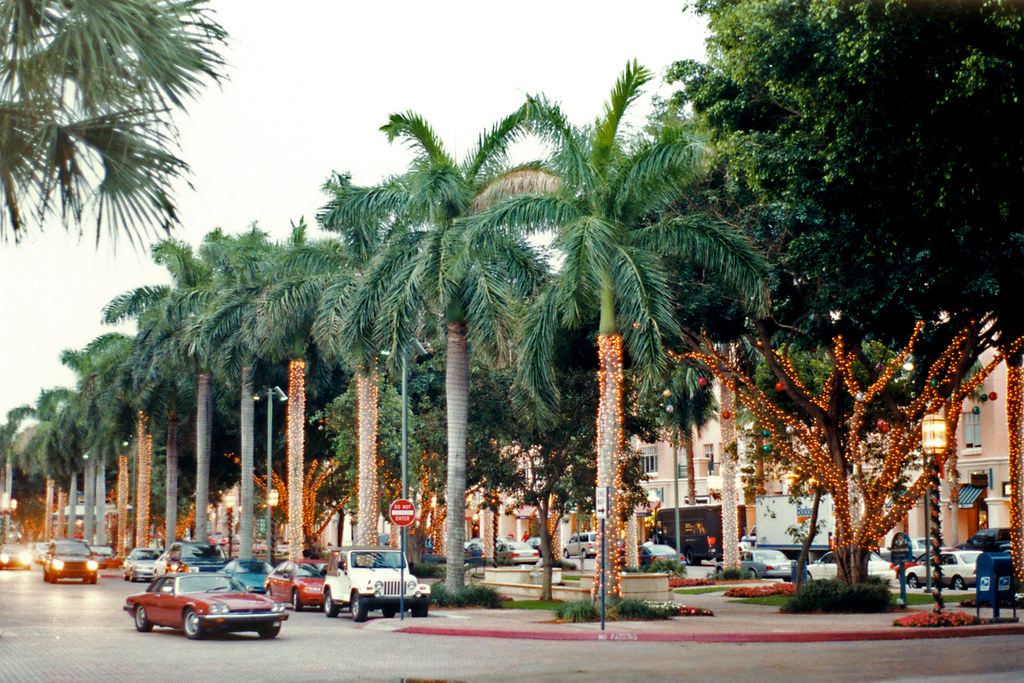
x=299 y=582
x=70 y=558
x=825 y=567
x=474 y=552
x=649 y=552
x=250 y=573
x=105 y=556
x=15 y=556
x=994 y=540
x=958 y=568
x=917 y=546
x=39 y=551
x=367 y=578
x=188 y=556
x=138 y=566
x=534 y=542
x=582 y=544
x=201 y=603
x=515 y=552
x=765 y=564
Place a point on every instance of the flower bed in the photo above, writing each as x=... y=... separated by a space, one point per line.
x=678 y=582
x=938 y=619
x=684 y=611
x=761 y=591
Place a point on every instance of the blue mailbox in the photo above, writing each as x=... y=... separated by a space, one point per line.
x=994 y=573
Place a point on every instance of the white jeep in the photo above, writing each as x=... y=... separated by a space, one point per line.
x=368 y=578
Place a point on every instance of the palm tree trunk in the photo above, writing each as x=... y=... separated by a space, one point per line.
x=457 y=394
x=296 y=454
x=204 y=429
x=89 y=491
x=48 y=519
x=171 y=494
x=690 y=474
x=62 y=503
x=609 y=441
x=142 y=464
x=730 y=453
x=122 y=504
x=245 y=497
x=366 y=529
x=72 y=504
x=101 y=503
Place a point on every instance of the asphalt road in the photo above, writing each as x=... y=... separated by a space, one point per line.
x=76 y=632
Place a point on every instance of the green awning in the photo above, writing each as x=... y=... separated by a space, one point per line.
x=969 y=494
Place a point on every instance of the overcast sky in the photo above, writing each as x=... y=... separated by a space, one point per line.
x=311 y=81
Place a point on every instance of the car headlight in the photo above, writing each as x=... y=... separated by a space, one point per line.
x=4 y=558
x=378 y=588
x=92 y=565
x=57 y=564
x=410 y=587
x=279 y=607
x=219 y=609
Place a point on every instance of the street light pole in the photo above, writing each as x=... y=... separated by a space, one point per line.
x=271 y=391
x=933 y=442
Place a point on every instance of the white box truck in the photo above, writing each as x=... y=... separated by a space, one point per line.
x=783 y=522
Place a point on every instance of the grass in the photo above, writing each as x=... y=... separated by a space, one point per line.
x=701 y=589
x=779 y=600
x=529 y=604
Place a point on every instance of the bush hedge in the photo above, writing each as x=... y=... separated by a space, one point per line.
x=832 y=595
x=469 y=596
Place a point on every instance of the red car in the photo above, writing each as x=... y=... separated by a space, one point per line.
x=299 y=582
x=199 y=603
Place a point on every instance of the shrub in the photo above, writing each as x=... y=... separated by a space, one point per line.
x=626 y=610
x=428 y=570
x=470 y=596
x=671 y=567
x=733 y=574
x=581 y=610
x=832 y=595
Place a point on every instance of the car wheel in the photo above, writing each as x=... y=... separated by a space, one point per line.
x=912 y=580
x=358 y=606
x=46 y=576
x=388 y=612
x=190 y=620
x=688 y=556
x=420 y=611
x=958 y=583
x=565 y=553
x=92 y=579
x=331 y=608
x=142 y=622
x=296 y=601
x=269 y=630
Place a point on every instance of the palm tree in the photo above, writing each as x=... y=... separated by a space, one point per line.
x=692 y=406
x=613 y=227
x=87 y=93
x=428 y=270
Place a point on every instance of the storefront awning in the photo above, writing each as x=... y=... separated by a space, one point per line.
x=642 y=510
x=526 y=512
x=969 y=494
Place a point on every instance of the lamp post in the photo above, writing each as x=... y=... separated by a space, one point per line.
x=933 y=443
x=669 y=409
x=281 y=396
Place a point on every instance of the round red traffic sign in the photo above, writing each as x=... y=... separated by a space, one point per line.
x=402 y=512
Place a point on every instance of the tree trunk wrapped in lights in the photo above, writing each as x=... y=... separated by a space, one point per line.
x=366 y=528
x=143 y=450
x=123 y=484
x=296 y=455
x=48 y=510
x=609 y=445
x=730 y=451
x=1014 y=423
x=62 y=503
x=825 y=433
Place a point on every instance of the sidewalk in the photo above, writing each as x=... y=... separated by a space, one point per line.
x=733 y=622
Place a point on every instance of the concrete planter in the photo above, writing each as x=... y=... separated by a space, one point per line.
x=637 y=586
x=527 y=575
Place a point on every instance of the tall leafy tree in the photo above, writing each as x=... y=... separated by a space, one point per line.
x=432 y=269
x=613 y=225
x=87 y=92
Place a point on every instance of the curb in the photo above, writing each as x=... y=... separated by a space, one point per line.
x=900 y=633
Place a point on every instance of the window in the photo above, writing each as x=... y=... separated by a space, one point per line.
x=649 y=459
x=972 y=430
x=709 y=453
x=683 y=473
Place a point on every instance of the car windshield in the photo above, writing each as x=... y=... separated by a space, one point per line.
x=252 y=567
x=202 y=552
x=208 y=583
x=770 y=556
x=144 y=554
x=70 y=548
x=312 y=570
x=377 y=559
x=105 y=550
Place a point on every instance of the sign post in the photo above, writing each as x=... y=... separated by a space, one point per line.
x=402 y=513
x=601 y=512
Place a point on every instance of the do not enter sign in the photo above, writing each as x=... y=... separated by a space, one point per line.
x=402 y=512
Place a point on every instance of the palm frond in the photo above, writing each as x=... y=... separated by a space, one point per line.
x=643 y=307
x=523 y=180
x=490 y=154
x=535 y=391
x=417 y=134
x=627 y=89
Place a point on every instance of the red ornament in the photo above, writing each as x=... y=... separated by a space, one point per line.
x=880 y=423
x=701 y=381
x=779 y=386
x=993 y=396
x=726 y=414
x=885 y=428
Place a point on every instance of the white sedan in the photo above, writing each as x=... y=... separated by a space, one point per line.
x=825 y=567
